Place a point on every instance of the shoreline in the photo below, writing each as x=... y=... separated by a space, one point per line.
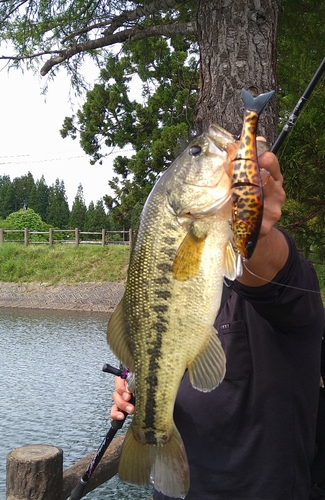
x=97 y=297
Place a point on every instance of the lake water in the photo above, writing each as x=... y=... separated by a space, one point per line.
x=53 y=390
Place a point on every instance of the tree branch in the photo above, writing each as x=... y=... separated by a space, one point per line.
x=132 y=34
x=126 y=16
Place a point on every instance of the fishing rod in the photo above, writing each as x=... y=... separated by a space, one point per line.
x=78 y=491
x=300 y=104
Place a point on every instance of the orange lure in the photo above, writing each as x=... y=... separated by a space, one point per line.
x=247 y=187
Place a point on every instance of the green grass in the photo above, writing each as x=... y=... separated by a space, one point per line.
x=63 y=263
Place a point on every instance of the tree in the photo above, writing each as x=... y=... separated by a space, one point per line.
x=193 y=58
x=78 y=211
x=35 y=28
x=302 y=155
x=7 y=204
x=39 y=197
x=96 y=217
x=177 y=100
x=58 y=209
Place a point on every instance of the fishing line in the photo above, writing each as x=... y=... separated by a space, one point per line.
x=280 y=284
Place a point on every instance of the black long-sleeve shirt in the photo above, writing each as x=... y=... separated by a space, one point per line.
x=253 y=437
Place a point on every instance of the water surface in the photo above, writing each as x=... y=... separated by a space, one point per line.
x=53 y=390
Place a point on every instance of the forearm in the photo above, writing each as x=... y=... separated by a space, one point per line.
x=268 y=259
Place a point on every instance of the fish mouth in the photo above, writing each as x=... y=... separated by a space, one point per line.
x=221 y=137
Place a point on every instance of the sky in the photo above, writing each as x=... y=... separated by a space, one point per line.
x=30 y=140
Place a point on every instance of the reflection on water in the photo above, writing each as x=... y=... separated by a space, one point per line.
x=53 y=390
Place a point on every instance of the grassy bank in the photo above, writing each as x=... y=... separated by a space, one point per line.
x=63 y=263
x=67 y=264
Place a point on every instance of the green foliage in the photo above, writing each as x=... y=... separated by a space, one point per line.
x=302 y=156
x=23 y=192
x=26 y=219
x=58 y=209
x=96 y=217
x=78 y=212
x=154 y=129
x=50 y=203
x=39 y=197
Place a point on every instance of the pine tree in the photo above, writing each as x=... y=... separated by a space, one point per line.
x=58 y=209
x=39 y=198
x=7 y=204
x=78 y=212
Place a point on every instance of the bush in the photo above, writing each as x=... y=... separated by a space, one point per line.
x=26 y=219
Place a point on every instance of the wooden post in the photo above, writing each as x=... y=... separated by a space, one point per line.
x=130 y=238
x=103 y=237
x=76 y=236
x=51 y=236
x=1 y=236
x=26 y=237
x=35 y=471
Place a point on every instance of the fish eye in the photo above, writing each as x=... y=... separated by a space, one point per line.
x=195 y=150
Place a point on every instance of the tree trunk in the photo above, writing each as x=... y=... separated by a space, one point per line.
x=237 y=40
x=35 y=471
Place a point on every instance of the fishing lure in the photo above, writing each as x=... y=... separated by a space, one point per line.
x=246 y=180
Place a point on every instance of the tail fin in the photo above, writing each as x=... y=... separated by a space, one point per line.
x=256 y=103
x=164 y=466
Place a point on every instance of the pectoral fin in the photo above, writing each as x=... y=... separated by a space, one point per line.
x=188 y=256
x=117 y=337
x=232 y=151
x=209 y=367
x=230 y=262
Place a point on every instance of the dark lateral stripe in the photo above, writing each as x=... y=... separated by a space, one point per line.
x=165 y=267
x=159 y=327
x=163 y=294
x=154 y=353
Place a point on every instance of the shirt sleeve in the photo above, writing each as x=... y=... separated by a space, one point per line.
x=292 y=300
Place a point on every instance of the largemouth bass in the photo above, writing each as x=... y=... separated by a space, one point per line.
x=164 y=323
x=246 y=180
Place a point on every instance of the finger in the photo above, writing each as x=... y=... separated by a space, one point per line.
x=116 y=413
x=269 y=162
x=122 y=402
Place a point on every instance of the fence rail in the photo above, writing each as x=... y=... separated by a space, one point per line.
x=67 y=236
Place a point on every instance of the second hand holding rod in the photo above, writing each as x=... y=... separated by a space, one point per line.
x=78 y=491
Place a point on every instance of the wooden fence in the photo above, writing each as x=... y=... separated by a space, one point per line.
x=68 y=236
